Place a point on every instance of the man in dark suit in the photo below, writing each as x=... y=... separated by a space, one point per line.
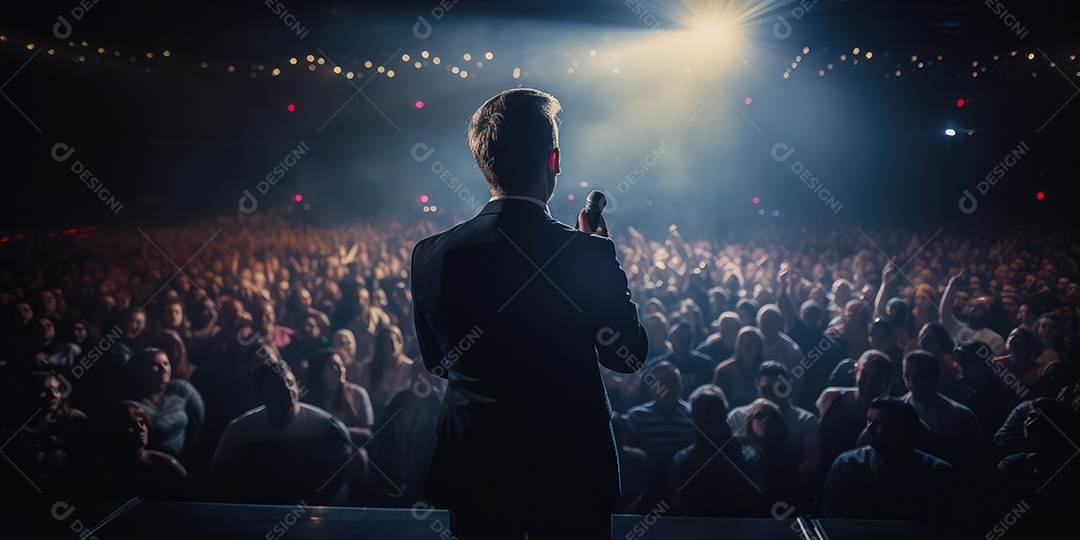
x=515 y=309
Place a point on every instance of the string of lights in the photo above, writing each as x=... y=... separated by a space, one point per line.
x=84 y=52
x=1002 y=64
x=822 y=59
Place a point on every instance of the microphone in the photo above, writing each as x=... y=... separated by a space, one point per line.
x=594 y=205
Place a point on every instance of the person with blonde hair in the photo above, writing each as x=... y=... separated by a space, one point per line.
x=344 y=343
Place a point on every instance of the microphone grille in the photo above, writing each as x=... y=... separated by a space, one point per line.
x=596 y=200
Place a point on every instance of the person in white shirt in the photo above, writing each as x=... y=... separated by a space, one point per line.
x=778 y=346
x=774 y=383
x=954 y=431
x=978 y=326
x=283 y=451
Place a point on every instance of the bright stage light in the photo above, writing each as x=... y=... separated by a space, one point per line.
x=950 y=132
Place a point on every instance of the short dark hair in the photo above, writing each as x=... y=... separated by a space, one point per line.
x=924 y=360
x=772 y=368
x=663 y=365
x=941 y=335
x=883 y=324
x=706 y=393
x=271 y=368
x=511 y=136
x=905 y=416
x=680 y=323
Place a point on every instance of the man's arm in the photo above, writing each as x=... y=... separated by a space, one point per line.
x=430 y=351
x=811 y=450
x=786 y=305
x=621 y=341
x=946 y=308
x=887 y=289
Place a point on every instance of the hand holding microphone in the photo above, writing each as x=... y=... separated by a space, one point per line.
x=590 y=219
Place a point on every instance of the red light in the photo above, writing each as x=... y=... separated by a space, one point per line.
x=290 y=107
x=423 y=198
x=757 y=200
x=961 y=102
x=1040 y=195
x=749 y=101
x=298 y=197
x=570 y=196
x=419 y=104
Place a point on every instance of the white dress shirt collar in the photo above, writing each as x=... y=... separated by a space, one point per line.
x=533 y=200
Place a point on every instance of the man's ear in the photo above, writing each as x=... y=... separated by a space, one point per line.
x=553 y=162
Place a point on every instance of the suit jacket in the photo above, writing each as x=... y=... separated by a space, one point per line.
x=516 y=309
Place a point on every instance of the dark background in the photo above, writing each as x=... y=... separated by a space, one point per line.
x=173 y=141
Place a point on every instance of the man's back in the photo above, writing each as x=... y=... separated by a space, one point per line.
x=511 y=307
x=862 y=484
x=271 y=464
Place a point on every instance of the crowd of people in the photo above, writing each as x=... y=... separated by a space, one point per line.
x=834 y=373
